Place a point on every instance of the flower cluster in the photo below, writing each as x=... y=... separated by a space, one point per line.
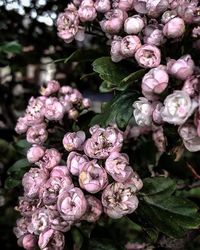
x=94 y=178
x=180 y=107
x=54 y=104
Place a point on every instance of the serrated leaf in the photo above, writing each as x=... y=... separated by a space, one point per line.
x=119 y=110
x=11 y=47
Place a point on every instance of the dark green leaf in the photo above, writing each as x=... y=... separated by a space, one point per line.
x=18 y=167
x=133 y=77
x=11 y=47
x=82 y=55
x=11 y=183
x=118 y=110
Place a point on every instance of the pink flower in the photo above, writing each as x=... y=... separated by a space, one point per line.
x=129 y=45
x=191 y=140
x=181 y=68
x=51 y=240
x=75 y=162
x=155 y=82
x=22 y=125
x=117 y=165
x=140 y=6
x=102 y=5
x=54 y=110
x=66 y=90
x=189 y=11
x=191 y=85
x=59 y=171
x=50 y=191
x=134 y=180
x=113 y=21
x=94 y=209
x=103 y=142
x=115 y=51
x=37 y=134
x=86 y=103
x=168 y=15
x=35 y=153
x=74 y=141
x=68 y=25
x=174 y=28
x=134 y=24
x=156 y=7
x=22 y=226
x=28 y=242
x=51 y=158
x=27 y=206
x=71 y=204
x=87 y=13
x=93 y=177
x=153 y=35
x=157 y=112
x=51 y=88
x=123 y=4
x=58 y=223
x=119 y=199
x=148 y=56
x=178 y=107
x=33 y=180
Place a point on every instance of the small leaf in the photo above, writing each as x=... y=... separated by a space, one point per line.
x=11 y=47
x=18 y=167
x=83 y=55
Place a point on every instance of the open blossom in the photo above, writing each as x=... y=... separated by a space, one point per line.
x=50 y=191
x=102 y=5
x=22 y=125
x=181 y=68
x=113 y=21
x=115 y=51
x=37 y=134
x=174 y=28
x=148 y=56
x=119 y=199
x=68 y=25
x=93 y=177
x=134 y=180
x=134 y=24
x=103 y=142
x=178 y=107
x=21 y=227
x=59 y=171
x=129 y=45
x=51 y=239
x=123 y=4
x=35 y=153
x=153 y=35
x=71 y=204
x=75 y=162
x=156 y=7
x=28 y=242
x=35 y=110
x=155 y=82
x=51 y=158
x=54 y=110
x=117 y=165
x=26 y=206
x=94 y=209
x=57 y=222
x=142 y=112
x=189 y=11
x=33 y=180
x=51 y=88
x=74 y=141
x=191 y=85
x=188 y=133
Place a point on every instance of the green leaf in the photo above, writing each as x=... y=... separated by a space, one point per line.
x=11 y=183
x=158 y=186
x=19 y=167
x=133 y=77
x=118 y=110
x=11 y=47
x=83 y=55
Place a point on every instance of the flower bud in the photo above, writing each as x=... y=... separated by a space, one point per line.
x=54 y=110
x=58 y=223
x=50 y=159
x=51 y=239
x=157 y=112
x=87 y=13
x=174 y=28
x=115 y=51
x=140 y=6
x=191 y=85
x=134 y=180
x=35 y=153
x=93 y=177
x=182 y=68
x=59 y=171
x=123 y=4
x=75 y=162
x=74 y=141
x=51 y=88
x=29 y=242
x=134 y=24
x=129 y=45
x=156 y=7
x=148 y=56
x=153 y=35
x=94 y=209
x=21 y=126
x=102 y=5
x=37 y=134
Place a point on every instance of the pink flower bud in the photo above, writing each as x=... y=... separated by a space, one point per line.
x=74 y=141
x=174 y=28
x=93 y=177
x=182 y=68
x=119 y=199
x=157 y=112
x=129 y=45
x=50 y=159
x=148 y=56
x=123 y=4
x=29 y=242
x=134 y=24
x=102 y=5
x=154 y=35
x=191 y=85
x=59 y=171
x=159 y=139
x=37 y=134
x=54 y=110
x=35 y=153
x=71 y=204
x=191 y=140
x=143 y=112
x=21 y=126
x=66 y=102
x=75 y=162
x=58 y=223
x=117 y=165
x=178 y=107
x=156 y=7
x=76 y=97
x=168 y=15
x=134 y=180
x=115 y=51
x=113 y=21
x=94 y=209
x=140 y=6
x=51 y=239
x=189 y=11
x=33 y=180
x=66 y=90
x=87 y=13
x=51 y=88
x=155 y=82
x=103 y=142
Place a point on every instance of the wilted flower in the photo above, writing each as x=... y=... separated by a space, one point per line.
x=134 y=180
x=192 y=85
x=75 y=162
x=21 y=228
x=94 y=209
x=74 y=141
